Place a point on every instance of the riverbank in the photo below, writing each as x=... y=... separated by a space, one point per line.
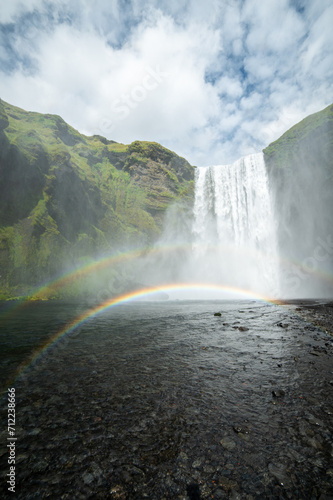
x=317 y=311
x=167 y=400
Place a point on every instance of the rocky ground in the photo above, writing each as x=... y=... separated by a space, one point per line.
x=320 y=313
x=234 y=406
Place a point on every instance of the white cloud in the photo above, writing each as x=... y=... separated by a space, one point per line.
x=229 y=86
x=252 y=102
x=212 y=81
x=274 y=27
x=11 y=10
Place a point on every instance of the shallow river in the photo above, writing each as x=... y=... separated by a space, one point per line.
x=164 y=400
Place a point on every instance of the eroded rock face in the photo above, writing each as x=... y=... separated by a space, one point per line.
x=67 y=197
x=158 y=171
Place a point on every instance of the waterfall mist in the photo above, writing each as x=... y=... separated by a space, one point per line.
x=302 y=194
x=234 y=229
x=228 y=237
x=267 y=232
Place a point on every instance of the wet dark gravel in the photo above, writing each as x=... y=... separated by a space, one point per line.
x=168 y=401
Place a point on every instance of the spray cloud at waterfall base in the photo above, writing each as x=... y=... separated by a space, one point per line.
x=227 y=238
x=252 y=225
x=234 y=229
x=234 y=235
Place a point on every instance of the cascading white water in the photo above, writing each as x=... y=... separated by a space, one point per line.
x=234 y=236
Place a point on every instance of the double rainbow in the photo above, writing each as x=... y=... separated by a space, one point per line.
x=49 y=289
x=132 y=296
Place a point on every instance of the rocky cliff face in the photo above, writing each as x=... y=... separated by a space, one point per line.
x=67 y=198
x=300 y=166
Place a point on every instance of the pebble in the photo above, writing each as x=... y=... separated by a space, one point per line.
x=315 y=443
x=278 y=471
x=240 y=430
x=182 y=457
x=315 y=421
x=226 y=483
x=35 y=431
x=117 y=492
x=234 y=495
x=209 y=469
x=197 y=463
x=88 y=478
x=279 y=393
x=228 y=443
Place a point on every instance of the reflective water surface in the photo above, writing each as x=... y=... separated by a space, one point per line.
x=165 y=400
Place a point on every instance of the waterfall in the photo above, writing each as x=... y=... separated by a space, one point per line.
x=234 y=235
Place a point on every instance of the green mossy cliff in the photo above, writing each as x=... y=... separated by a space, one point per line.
x=311 y=140
x=300 y=168
x=67 y=198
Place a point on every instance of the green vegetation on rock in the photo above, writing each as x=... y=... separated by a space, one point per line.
x=300 y=169
x=67 y=198
x=310 y=138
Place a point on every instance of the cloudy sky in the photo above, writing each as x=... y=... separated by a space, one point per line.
x=212 y=80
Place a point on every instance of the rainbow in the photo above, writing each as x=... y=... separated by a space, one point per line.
x=45 y=291
x=132 y=296
x=42 y=292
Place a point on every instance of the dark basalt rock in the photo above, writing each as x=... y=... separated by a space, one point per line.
x=67 y=198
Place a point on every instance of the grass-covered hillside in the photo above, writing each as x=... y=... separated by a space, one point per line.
x=310 y=138
x=67 y=198
x=300 y=167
